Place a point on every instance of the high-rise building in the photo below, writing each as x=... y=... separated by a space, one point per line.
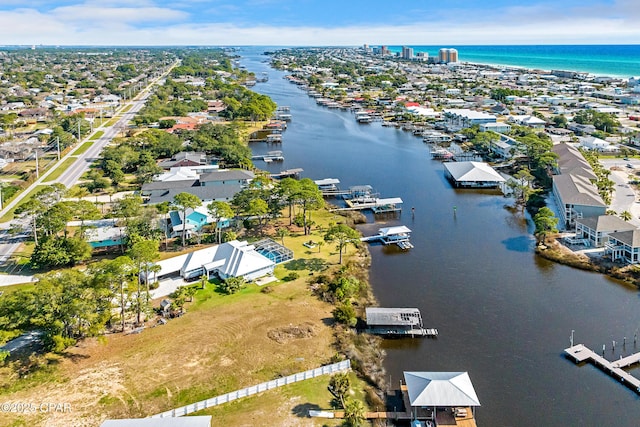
x=422 y=56
x=453 y=55
x=407 y=52
x=448 y=55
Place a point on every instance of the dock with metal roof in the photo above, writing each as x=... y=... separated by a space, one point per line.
x=398 y=235
x=396 y=322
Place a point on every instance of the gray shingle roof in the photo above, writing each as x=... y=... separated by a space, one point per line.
x=631 y=238
x=606 y=223
x=212 y=192
x=227 y=175
x=577 y=190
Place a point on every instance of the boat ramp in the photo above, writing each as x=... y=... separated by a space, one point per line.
x=397 y=322
x=580 y=353
x=398 y=235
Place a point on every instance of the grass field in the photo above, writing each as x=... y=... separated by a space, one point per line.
x=83 y=148
x=96 y=135
x=222 y=343
x=60 y=169
x=112 y=121
x=127 y=108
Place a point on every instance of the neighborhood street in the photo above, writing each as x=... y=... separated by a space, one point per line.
x=9 y=242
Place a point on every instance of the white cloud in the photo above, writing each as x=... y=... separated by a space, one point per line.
x=117 y=22
x=88 y=14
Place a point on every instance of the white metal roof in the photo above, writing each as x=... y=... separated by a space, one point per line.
x=440 y=389
x=389 y=231
x=327 y=181
x=390 y=201
x=469 y=114
x=473 y=171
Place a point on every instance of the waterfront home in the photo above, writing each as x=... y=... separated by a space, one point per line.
x=504 y=147
x=230 y=259
x=596 y=229
x=472 y=175
x=573 y=190
x=576 y=198
x=466 y=118
x=624 y=246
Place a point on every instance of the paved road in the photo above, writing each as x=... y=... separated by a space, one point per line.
x=10 y=243
x=73 y=173
x=624 y=196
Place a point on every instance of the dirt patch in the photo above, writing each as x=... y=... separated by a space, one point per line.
x=291 y=332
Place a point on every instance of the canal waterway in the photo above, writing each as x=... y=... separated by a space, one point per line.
x=503 y=314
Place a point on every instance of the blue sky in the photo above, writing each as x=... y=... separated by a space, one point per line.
x=312 y=22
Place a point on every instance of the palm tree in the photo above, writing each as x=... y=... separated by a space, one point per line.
x=282 y=233
x=354 y=412
x=182 y=202
x=342 y=235
x=626 y=215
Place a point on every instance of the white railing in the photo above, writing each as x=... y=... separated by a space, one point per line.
x=249 y=391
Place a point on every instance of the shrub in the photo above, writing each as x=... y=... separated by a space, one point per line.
x=291 y=276
x=346 y=314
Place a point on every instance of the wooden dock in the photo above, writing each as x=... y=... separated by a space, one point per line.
x=580 y=353
x=375 y=204
x=271 y=156
x=289 y=173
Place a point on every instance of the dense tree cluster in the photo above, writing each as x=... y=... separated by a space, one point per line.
x=602 y=121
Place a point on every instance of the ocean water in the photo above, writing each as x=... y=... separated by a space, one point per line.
x=603 y=60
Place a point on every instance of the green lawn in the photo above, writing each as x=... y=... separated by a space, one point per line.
x=127 y=108
x=96 y=135
x=84 y=147
x=60 y=169
x=112 y=121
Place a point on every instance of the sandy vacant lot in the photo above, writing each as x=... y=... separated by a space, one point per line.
x=223 y=343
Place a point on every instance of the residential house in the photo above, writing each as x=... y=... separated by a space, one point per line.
x=597 y=229
x=624 y=246
x=230 y=259
x=467 y=118
x=575 y=195
x=185 y=158
x=498 y=127
x=196 y=219
x=227 y=177
x=504 y=147
x=529 y=121
x=597 y=144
